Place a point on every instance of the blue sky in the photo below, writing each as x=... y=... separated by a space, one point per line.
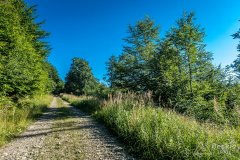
x=94 y=29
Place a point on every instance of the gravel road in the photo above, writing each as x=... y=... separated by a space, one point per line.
x=64 y=132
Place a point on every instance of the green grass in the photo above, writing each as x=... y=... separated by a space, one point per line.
x=14 y=119
x=87 y=104
x=60 y=103
x=63 y=110
x=72 y=98
x=65 y=140
x=90 y=105
x=155 y=133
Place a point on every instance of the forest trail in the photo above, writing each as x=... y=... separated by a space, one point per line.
x=64 y=132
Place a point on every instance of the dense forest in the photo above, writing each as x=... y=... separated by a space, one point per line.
x=157 y=89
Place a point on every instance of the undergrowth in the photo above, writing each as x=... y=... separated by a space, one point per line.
x=14 y=118
x=156 y=133
x=87 y=104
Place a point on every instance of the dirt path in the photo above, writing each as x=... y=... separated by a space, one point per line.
x=64 y=133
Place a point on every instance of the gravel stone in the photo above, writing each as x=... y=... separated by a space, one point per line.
x=72 y=136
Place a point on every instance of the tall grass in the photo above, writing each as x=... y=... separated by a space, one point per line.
x=72 y=98
x=87 y=104
x=155 y=133
x=14 y=119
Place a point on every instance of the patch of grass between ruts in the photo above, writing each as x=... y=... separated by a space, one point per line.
x=65 y=140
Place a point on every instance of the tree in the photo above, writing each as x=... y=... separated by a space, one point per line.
x=130 y=71
x=178 y=70
x=22 y=66
x=187 y=38
x=237 y=36
x=80 y=79
x=56 y=84
x=112 y=68
x=236 y=63
x=236 y=66
x=165 y=70
x=182 y=70
x=35 y=34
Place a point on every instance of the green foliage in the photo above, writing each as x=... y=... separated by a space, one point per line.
x=236 y=66
x=22 y=51
x=168 y=81
x=191 y=62
x=56 y=84
x=70 y=98
x=130 y=71
x=236 y=63
x=89 y=105
x=23 y=73
x=102 y=91
x=158 y=134
x=237 y=36
x=154 y=133
x=80 y=79
x=178 y=70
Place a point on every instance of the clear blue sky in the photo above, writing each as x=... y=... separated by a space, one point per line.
x=94 y=29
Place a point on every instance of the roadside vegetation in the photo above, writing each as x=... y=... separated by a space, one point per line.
x=177 y=70
x=165 y=98
x=15 y=119
x=157 y=133
x=88 y=104
x=25 y=74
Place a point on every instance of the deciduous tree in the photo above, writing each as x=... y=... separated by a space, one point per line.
x=80 y=79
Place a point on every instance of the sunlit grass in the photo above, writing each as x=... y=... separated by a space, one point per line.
x=14 y=119
x=156 y=133
x=72 y=98
x=88 y=104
